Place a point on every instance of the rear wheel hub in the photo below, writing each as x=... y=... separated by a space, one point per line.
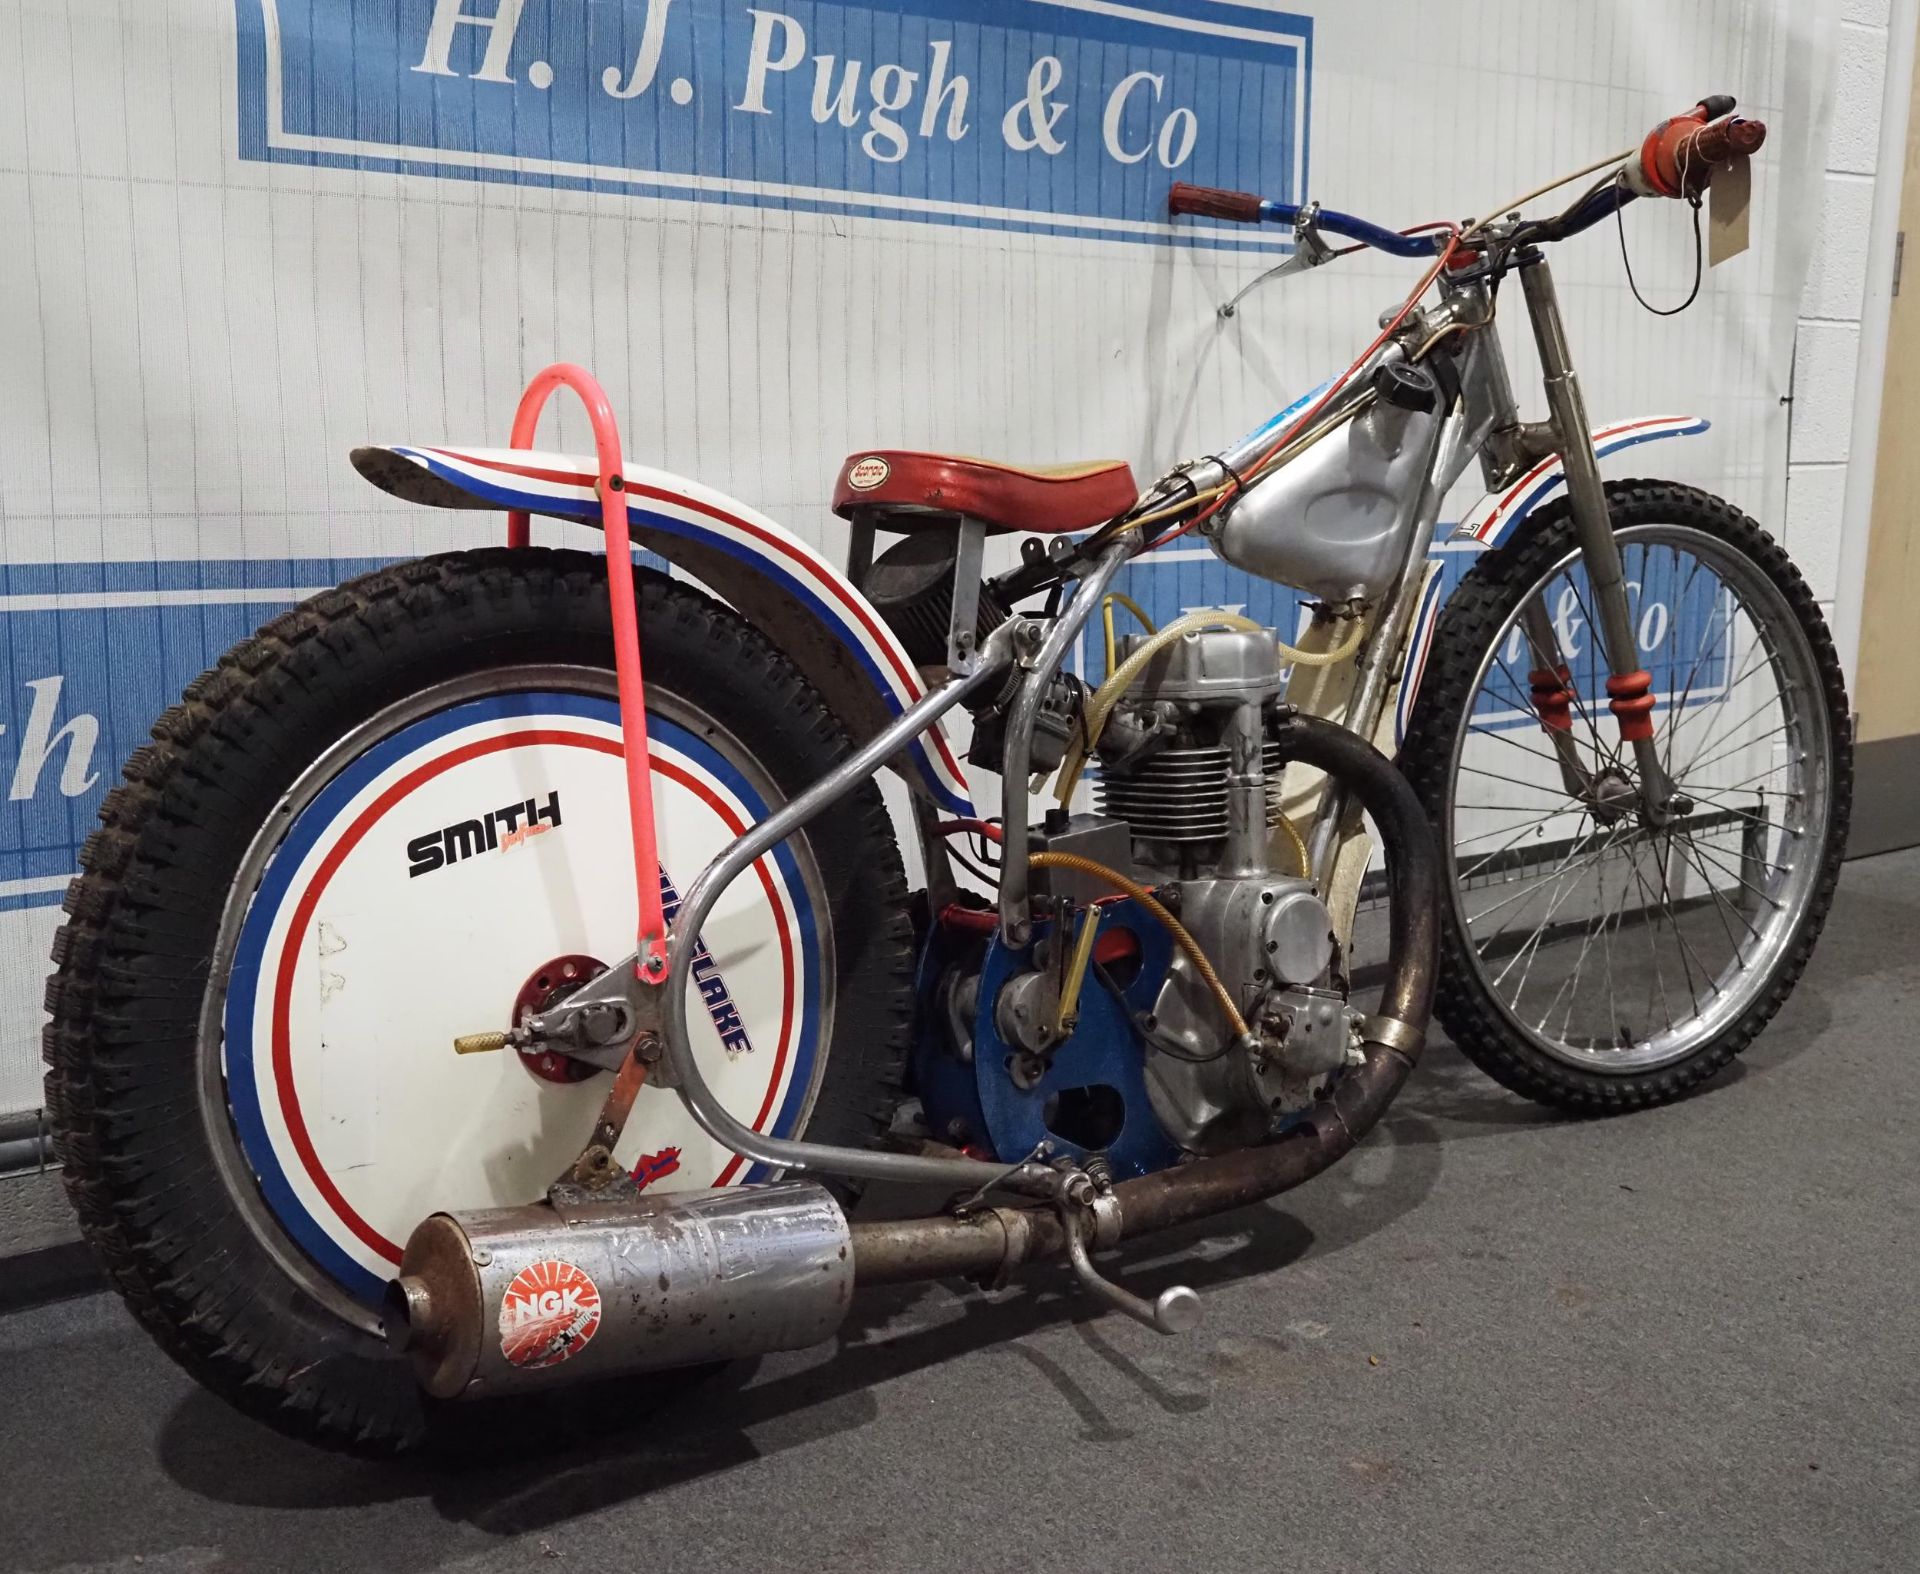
x=546 y=985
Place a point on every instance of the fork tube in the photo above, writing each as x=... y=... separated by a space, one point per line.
x=1630 y=688
x=1549 y=677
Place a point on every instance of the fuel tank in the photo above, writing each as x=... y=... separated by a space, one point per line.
x=1334 y=521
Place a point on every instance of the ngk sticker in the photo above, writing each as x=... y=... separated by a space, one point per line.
x=549 y=1312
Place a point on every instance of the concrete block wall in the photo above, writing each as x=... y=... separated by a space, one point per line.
x=1830 y=457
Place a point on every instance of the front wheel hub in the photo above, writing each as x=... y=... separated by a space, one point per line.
x=1613 y=795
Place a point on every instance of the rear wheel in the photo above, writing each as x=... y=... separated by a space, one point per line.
x=396 y=816
x=1593 y=960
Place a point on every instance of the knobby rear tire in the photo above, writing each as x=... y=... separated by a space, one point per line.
x=132 y=959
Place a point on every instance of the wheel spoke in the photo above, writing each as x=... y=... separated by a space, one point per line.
x=1468 y=841
x=1556 y=790
x=1527 y=890
x=1610 y=754
x=1678 y=711
x=1735 y=748
x=1652 y=928
x=1721 y=904
x=1546 y=660
x=1499 y=736
x=1726 y=869
x=1560 y=888
x=1586 y=944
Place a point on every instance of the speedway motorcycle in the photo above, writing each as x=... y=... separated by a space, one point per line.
x=374 y=1093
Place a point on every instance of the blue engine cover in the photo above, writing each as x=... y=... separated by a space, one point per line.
x=976 y=1102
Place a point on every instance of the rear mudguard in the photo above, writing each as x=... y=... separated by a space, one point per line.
x=779 y=583
x=1492 y=521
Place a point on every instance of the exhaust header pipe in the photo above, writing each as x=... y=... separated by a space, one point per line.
x=574 y=1289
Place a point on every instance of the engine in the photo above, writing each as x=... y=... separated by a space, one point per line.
x=1188 y=764
x=1140 y=1063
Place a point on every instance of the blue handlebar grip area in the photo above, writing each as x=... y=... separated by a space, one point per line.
x=1345 y=224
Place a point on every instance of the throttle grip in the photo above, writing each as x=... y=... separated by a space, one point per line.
x=1241 y=207
x=1727 y=139
x=1678 y=156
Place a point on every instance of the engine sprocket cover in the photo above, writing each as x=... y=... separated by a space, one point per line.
x=1092 y=1095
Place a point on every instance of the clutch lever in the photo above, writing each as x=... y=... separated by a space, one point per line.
x=1309 y=251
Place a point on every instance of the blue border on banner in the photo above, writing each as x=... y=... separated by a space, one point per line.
x=340 y=83
x=93 y=653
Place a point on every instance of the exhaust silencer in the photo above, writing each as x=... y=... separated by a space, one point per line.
x=575 y=1289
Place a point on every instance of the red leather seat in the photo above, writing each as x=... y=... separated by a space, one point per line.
x=1003 y=497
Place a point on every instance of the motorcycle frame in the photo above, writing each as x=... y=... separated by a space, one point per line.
x=1483 y=423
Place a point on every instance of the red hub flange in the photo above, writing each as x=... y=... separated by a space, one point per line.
x=546 y=984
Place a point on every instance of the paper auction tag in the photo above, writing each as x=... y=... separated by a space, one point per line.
x=1728 y=201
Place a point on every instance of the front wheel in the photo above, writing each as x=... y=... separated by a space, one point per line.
x=1593 y=959
x=398 y=816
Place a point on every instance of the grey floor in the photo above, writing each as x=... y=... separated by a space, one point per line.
x=1491 y=1340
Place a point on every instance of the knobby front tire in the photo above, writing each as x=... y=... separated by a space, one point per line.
x=1590 y=961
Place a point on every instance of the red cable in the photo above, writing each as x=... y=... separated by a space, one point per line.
x=1426 y=283
x=977 y=827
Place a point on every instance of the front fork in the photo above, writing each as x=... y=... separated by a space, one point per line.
x=1629 y=686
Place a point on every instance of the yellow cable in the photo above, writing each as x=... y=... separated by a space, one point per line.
x=1325 y=658
x=1119 y=680
x=1180 y=507
x=1101 y=703
x=1106 y=618
x=1167 y=921
x=1299 y=845
x=1308 y=438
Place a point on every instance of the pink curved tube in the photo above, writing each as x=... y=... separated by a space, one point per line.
x=652 y=926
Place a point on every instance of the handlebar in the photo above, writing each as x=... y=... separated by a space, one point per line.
x=1238 y=207
x=1677 y=159
x=1244 y=207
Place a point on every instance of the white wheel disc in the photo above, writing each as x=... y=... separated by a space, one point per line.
x=410 y=902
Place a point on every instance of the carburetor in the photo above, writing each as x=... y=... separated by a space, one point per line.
x=1188 y=762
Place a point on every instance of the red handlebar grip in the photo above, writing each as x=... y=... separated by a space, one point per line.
x=1241 y=207
x=1678 y=157
x=1727 y=139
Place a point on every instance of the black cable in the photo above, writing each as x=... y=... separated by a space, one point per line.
x=1100 y=972
x=979 y=874
x=1698 y=269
